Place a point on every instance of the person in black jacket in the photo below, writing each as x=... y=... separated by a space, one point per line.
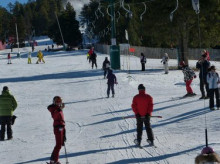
x=143 y=62
x=106 y=66
x=93 y=59
x=203 y=65
x=111 y=81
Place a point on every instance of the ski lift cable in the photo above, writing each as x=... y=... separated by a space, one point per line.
x=171 y=14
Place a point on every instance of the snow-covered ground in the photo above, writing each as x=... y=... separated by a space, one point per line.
x=96 y=132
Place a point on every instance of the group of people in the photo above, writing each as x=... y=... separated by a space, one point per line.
x=164 y=61
x=40 y=57
x=209 y=79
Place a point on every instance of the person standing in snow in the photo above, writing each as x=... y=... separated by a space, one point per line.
x=112 y=80
x=91 y=51
x=203 y=65
x=29 y=58
x=9 y=58
x=93 y=59
x=142 y=106
x=213 y=81
x=189 y=74
x=207 y=156
x=106 y=66
x=165 y=60
x=143 y=61
x=56 y=110
x=40 y=57
x=8 y=104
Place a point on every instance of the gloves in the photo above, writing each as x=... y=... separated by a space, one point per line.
x=195 y=76
x=137 y=115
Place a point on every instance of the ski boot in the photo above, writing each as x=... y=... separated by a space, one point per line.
x=151 y=143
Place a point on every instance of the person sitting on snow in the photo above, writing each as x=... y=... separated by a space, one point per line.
x=207 y=156
x=189 y=74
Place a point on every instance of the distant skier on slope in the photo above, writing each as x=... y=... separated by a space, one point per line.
x=165 y=60
x=207 y=156
x=112 y=80
x=93 y=57
x=9 y=58
x=40 y=57
x=143 y=61
x=189 y=74
x=106 y=66
x=91 y=51
x=59 y=127
x=29 y=58
x=142 y=106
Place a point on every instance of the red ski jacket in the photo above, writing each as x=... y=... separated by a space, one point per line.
x=57 y=115
x=142 y=104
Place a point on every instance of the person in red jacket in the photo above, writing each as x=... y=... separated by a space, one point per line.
x=59 y=127
x=142 y=106
x=91 y=51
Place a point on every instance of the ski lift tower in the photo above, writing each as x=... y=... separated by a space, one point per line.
x=114 y=48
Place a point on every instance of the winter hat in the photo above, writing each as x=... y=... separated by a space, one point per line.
x=204 y=55
x=207 y=150
x=182 y=63
x=212 y=67
x=5 y=88
x=110 y=71
x=141 y=87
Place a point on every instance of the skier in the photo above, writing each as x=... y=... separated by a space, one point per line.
x=40 y=57
x=203 y=65
x=9 y=58
x=142 y=106
x=189 y=74
x=112 y=80
x=56 y=110
x=165 y=60
x=213 y=81
x=91 y=51
x=8 y=104
x=93 y=59
x=106 y=66
x=143 y=61
x=207 y=156
x=29 y=58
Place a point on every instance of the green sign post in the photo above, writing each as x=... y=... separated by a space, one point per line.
x=114 y=48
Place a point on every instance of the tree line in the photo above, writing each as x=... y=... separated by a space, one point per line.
x=155 y=29
x=37 y=18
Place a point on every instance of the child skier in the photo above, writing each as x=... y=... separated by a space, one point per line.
x=40 y=57
x=213 y=81
x=142 y=106
x=59 y=127
x=111 y=82
x=9 y=58
x=189 y=74
x=106 y=66
x=29 y=58
x=165 y=60
x=207 y=156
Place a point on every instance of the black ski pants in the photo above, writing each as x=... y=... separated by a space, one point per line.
x=213 y=92
x=142 y=66
x=146 y=122
x=94 y=62
x=203 y=82
x=6 y=121
x=105 y=71
x=110 y=86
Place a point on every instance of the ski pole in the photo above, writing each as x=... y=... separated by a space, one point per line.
x=126 y=117
x=66 y=154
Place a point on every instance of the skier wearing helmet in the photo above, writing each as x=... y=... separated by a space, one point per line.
x=59 y=127
x=207 y=156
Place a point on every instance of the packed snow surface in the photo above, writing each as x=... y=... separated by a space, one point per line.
x=96 y=132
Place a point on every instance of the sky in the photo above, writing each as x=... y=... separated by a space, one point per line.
x=4 y=3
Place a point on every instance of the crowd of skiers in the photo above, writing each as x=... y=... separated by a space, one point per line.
x=142 y=103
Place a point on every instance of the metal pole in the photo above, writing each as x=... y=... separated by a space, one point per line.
x=17 y=36
x=60 y=30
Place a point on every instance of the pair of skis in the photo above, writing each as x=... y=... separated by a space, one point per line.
x=141 y=147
